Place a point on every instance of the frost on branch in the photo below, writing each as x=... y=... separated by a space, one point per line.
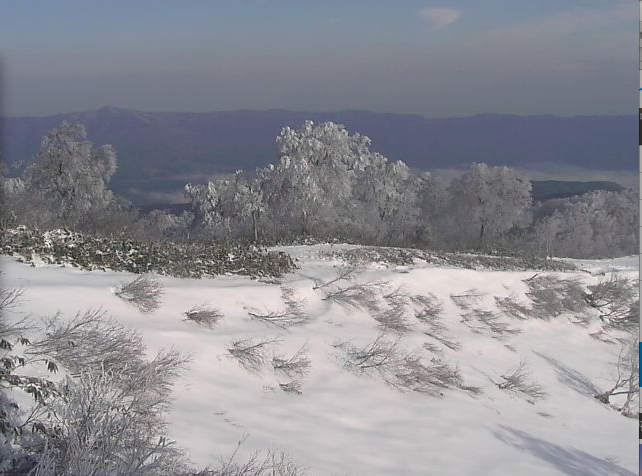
x=297 y=365
x=551 y=296
x=406 y=371
x=293 y=314
x=144 y=292
x=617 y=300
x=626 y=376
x=428 y=311
x=479 y=320
x=518 y=381
x=252 y=354
x=204 y=315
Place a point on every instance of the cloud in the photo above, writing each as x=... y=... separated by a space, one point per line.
x=439 y=17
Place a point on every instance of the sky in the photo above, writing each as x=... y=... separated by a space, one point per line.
x=434 y=58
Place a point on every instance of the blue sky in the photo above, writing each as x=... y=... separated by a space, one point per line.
x=447 y=58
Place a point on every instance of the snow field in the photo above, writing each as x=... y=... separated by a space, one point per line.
x=346 y=424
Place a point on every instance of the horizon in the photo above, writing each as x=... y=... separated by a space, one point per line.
x=291 y=111
x=454 y=58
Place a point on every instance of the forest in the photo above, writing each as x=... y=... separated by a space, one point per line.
x=327 y=185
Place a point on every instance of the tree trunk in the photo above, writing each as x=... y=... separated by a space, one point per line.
x=304 y=222
x=255 y=228
x=481 y=235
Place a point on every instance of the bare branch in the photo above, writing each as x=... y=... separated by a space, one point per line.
x=488 y=320
x=204 y=315
x=345 y=273
x=292 y=315
x=252 y=354
x=517 y=381
x=144 y=292
x=298 y=365
x=358 y=296
x=465 y=301
x=402 y=370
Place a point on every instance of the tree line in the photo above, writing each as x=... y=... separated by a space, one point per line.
x=326 y=185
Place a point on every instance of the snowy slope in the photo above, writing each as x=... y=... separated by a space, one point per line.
x=344 y=424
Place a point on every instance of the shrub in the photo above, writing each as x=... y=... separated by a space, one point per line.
x=204 y=315
x=124 y=254
x=551 y=296
x=252 y=354
x=298 y=365
x=406 y=371
x=144 y=292
x=292 y=315
x=517 y=381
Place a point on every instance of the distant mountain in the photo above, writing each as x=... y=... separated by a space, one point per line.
x=160 y=152
x=548 y=189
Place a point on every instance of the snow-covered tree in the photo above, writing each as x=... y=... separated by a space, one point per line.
x=486 y=202
x=328 y=183
x=389 y=195
x=228 y=207
x=596 y=224
x=70 y=175
x=311 y=185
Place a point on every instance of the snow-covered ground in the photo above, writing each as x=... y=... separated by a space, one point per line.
x=345 y=424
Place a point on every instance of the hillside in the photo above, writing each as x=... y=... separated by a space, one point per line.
x=549 y=189
x=160 y=152
x=349 y=421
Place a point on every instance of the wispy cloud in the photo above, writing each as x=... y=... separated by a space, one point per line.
x=439 y=17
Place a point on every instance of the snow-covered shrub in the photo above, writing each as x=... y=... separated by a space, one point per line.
x=394 y=316
x=428 y=311
x=480 y=320
x=252 y=354
x=292 y=315
x=512 y=308
x=144 y=292
x=406 y=371
x=551 y=296
x=429 y=307
x=270 y=463
x=617 y=299
x=293 y=386
x=467 y=299
x=107 y=418
x=295 y=366
x=518 y=381
x=357 y=295
x=204 y=315
x=89 y=341
x=124 y=254
x=113 y=422
x=343 y=273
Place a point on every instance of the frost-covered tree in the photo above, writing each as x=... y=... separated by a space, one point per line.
x=433 y=201
x=328 y=183
x=228 y=207
x=309 y=190
x=70 y=175
x=11 y=190
x=486 y=202
x=389 y=195
x=597 y=224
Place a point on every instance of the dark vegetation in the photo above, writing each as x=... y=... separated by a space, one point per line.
x=124 y=254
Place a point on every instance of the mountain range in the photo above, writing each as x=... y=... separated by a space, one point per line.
x=161 y=151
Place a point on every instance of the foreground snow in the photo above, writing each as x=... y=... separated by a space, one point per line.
x=344 y=424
